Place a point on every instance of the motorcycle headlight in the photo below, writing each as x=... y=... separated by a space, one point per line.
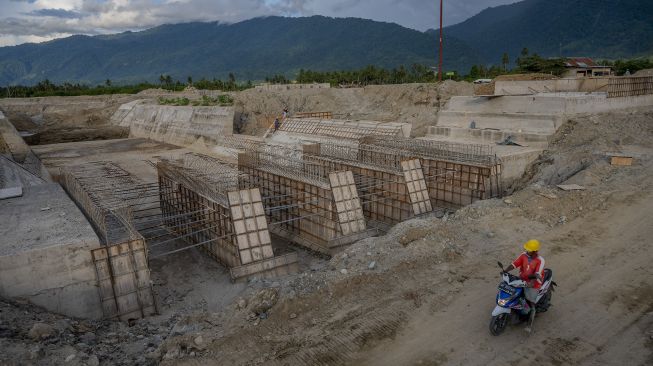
x=503 y=302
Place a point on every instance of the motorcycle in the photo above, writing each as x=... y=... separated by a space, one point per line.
x=511 y=302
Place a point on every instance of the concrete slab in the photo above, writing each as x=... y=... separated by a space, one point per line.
x=130 y=154
x=11 y=192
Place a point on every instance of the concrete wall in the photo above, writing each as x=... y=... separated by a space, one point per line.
x=546 y=104
x=530 y=123
x=178 y=125
x=587 y=85
x=45 y=252
x=61 y=279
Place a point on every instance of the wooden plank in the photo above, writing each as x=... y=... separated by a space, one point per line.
x=621 y=160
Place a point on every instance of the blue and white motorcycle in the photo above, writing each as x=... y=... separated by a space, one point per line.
x=511 y=302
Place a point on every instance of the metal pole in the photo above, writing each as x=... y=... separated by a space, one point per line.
x=440 y=66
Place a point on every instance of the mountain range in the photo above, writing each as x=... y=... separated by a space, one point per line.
x=261 y=47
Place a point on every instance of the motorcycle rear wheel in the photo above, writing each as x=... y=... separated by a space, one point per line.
x=498 y=324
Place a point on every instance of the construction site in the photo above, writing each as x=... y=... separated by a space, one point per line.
x=363 y=229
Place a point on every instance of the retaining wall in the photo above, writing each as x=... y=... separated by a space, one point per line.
x=178 y=125
x=587 y=85
x=45 y=253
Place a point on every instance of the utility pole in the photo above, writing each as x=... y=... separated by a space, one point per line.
x=440 y=65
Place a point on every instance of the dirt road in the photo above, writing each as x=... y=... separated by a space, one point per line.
x=602 y=313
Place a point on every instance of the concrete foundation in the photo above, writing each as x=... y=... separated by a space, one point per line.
x=45 y=252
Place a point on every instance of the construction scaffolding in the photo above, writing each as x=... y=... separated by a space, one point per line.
x=110 y=197
x=307 y=203
x=456 y=174
x=391 y=184
x=340 y=128
x=201 y=203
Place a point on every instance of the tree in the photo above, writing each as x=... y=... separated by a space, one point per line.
x=108 y=82
x=190 y=80
x=505 y=60
x=474 y=72
x=524 y=52
x=162 y=79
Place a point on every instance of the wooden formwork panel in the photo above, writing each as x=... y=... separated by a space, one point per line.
x=348 y=205
x=250 y=225
x=416 y=185
x=124 y=281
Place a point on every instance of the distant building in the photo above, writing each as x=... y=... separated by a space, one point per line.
x=580 y=67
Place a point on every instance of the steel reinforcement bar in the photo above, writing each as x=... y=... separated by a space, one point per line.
x=630 y=86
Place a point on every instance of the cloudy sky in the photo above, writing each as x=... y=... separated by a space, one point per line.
x=41 y=20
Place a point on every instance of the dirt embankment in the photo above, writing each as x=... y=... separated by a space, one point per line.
x=50 y=120
x=488 y=89
x=423 y=293
x=410 y=103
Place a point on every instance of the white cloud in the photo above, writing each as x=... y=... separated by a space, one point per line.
x=40 y=20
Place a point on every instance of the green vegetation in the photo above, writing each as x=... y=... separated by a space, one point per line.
x=46 y=88
x=370 y=75
x=621 y=66
x=223 y=100
x=174 y=101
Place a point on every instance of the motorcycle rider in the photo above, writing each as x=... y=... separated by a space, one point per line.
x=531 y=271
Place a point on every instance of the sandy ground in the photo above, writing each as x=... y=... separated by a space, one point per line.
x=603 y=313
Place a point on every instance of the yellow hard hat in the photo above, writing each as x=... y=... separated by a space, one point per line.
x=532 y=245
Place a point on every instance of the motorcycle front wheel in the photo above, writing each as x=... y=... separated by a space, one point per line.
x=498 y=324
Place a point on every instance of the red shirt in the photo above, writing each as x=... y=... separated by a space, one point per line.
x=528 y=266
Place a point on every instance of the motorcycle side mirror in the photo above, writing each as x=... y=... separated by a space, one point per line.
x=500 y=265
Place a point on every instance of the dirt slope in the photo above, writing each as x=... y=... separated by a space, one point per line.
x=411 y=103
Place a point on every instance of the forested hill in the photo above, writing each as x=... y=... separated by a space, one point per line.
x=252 y=50
x=607 y=29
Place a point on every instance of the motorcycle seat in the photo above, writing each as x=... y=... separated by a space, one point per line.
x=547 y=274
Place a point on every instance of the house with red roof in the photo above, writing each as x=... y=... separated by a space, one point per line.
x=581 y=67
